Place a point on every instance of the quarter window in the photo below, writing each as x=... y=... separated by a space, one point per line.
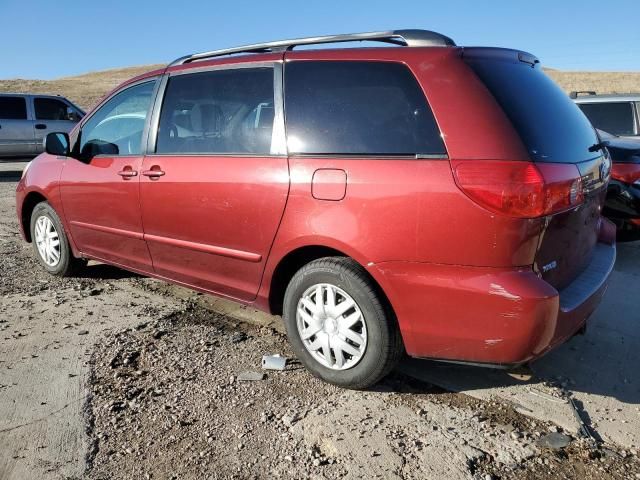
x=615 y=118
x=375 y=108
x=13 y=108
x=116 y=127
x=50 y=109
x=218 y=112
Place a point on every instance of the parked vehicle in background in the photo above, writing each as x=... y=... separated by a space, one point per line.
x=26 y=119
x=455 y=217
x=622 y=205
x=618 y=114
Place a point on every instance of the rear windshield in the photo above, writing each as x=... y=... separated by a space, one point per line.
x=551 y=126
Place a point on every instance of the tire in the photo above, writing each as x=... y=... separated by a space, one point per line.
x=374 y=345
x=64 y=264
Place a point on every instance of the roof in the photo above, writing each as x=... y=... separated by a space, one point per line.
x=609 y=97
x=23 y=94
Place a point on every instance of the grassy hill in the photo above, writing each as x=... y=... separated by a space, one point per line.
x=601 y=82
x=85 y=90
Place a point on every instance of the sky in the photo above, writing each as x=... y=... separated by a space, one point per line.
x=45 y=39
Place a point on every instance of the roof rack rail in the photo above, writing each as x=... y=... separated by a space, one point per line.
x=580 y=92
x=407 y=38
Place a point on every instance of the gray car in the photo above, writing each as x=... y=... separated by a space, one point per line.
x=618 y=114
x=26 y=119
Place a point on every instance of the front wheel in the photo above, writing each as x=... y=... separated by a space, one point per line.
x=50 y=242
x=338 y=324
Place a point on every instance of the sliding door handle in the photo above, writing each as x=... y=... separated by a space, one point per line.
x=153 y=173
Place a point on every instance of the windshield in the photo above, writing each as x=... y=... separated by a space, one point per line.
x=551 y=126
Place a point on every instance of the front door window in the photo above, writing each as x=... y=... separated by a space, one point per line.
x=116 y=128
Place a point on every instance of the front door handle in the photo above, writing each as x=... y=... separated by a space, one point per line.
x=41 y=126
x=154 y=172
x=127 y=172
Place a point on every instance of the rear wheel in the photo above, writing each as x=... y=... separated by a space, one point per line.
x=50 y=242
x=338 y=325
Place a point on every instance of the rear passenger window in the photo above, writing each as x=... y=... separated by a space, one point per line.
x=218 y=112
x=615 y=118
x=13 y=108
x=50 y=109
x=374 y=108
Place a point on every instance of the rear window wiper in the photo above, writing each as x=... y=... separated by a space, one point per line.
x=598 y=146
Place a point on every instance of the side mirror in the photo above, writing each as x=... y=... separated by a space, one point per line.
x=72 y=115
x=57 y=143
x=99 y=147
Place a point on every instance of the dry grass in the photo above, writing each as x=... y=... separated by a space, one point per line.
x=601 y=82
x=85 y=90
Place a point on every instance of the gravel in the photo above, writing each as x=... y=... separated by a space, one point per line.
x=167 y=394
x=192 y=403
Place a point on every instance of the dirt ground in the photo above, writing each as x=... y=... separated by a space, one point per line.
x=110 y=375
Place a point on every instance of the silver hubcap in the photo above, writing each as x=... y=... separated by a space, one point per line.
x=331 y=326
x=47 y=241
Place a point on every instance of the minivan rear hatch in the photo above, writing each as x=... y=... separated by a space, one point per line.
x=554 y=131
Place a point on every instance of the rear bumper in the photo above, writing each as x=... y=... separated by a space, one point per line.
x=583 y=295
x=487 y=315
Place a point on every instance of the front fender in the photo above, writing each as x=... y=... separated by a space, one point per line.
x=41 y=181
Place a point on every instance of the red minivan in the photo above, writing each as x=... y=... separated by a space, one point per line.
x=417 y=197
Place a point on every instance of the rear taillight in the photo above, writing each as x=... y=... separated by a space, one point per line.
x=626 y=172
x=520 y=189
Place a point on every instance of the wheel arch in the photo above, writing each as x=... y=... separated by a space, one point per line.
x=30 y=201
x=294 y=260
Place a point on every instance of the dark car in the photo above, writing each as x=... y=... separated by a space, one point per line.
x=421 y=197
x=622 y=205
